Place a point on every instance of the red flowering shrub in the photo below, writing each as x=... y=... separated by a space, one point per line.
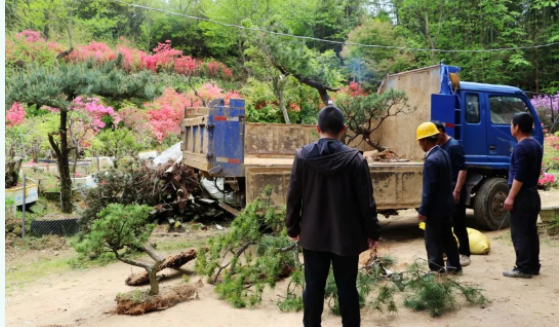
x=29 y=36
x=29 y=47
x=294 y=107
x=165 y=114
x=15 y=115
x=550 y=158
x=186 y=65
x=98 y=51
x=354 y=89
x=164 y=56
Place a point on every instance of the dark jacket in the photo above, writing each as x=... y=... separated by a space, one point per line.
x=330 y=199
x=437 y=192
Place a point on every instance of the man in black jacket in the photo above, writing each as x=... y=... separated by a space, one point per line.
x=437 y=202
x=332 y=213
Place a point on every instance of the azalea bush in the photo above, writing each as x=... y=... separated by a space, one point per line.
x=547 y=180
x=547 y=108
x=162 y=117
x=550 y=158
x=30 y=47
x=15 y=115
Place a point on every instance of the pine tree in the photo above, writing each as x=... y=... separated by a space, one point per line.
x=58 y=86
x=122 y=230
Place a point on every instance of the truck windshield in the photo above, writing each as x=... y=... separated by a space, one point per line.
x=503 y=108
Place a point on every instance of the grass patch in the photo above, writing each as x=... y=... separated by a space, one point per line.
x=19 y=275
x=47 y=242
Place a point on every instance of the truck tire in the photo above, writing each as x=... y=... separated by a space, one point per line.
x=488 y=204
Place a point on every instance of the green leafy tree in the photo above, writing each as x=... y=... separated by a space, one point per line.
x=121 y=230
x=291 y=57
x=119 y=143
x=369 y=66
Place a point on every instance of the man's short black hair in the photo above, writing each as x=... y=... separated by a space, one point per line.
x=439 y=125
x=525 y=122
x=331 y=120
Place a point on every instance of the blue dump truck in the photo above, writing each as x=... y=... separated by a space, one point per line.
x=247 y=157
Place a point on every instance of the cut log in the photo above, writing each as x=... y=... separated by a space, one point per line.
x=172 y=261
x=229 y=209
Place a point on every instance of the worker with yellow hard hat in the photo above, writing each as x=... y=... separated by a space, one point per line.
x=437 y=205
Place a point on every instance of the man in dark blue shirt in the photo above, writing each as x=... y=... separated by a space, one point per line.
x=437 y=204
x=458 y=176
x=523 y=200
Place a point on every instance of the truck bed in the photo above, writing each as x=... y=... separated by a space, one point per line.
x=396 y=185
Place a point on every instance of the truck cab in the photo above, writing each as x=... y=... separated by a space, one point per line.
x=479 y=116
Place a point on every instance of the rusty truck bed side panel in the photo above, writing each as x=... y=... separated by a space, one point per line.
x=395 y=185
x=277 y=140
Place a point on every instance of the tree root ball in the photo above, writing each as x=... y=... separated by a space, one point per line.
x=140 y=302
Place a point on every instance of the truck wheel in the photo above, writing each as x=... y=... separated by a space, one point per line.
x=488 y=204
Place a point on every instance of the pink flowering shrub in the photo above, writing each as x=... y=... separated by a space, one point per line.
x=85 y=119
x=29 y=46
x=165 y=114
x=354 y=89
x=15 y=115
x=551 y=152
x=164 y=56
x=294 y=107
x=135 y=119
x=547 y=180
x=232 y=94
x=29 y=36
x=546 y=102
x=93 y=111
x=217 y=69
x=98 y=51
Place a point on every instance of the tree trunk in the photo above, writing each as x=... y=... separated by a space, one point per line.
x=75 y=163
x=172 y=261
x=283 y=105
x=374 y=145
x=154 y=285
x=63 y=164
x=324 y=96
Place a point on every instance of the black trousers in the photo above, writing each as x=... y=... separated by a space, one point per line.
x=439 y=239
x=524 y=232
x=345 y=269
x=460 y=224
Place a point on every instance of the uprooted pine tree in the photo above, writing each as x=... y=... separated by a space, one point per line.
x=257 y=253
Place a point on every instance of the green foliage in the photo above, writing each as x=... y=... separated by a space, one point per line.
x=118 y=228
x=369 y=66
x=57 y=87
x=118 y=143
x=365 y=113
x=9 y=202
x=242 y=279
x=419 y=290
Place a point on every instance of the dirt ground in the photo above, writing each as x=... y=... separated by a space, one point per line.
x=68 y=297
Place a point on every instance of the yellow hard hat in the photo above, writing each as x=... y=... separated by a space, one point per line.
x=426 y=129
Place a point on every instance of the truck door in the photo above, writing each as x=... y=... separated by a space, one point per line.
x=474 y=131
x=501 y=109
